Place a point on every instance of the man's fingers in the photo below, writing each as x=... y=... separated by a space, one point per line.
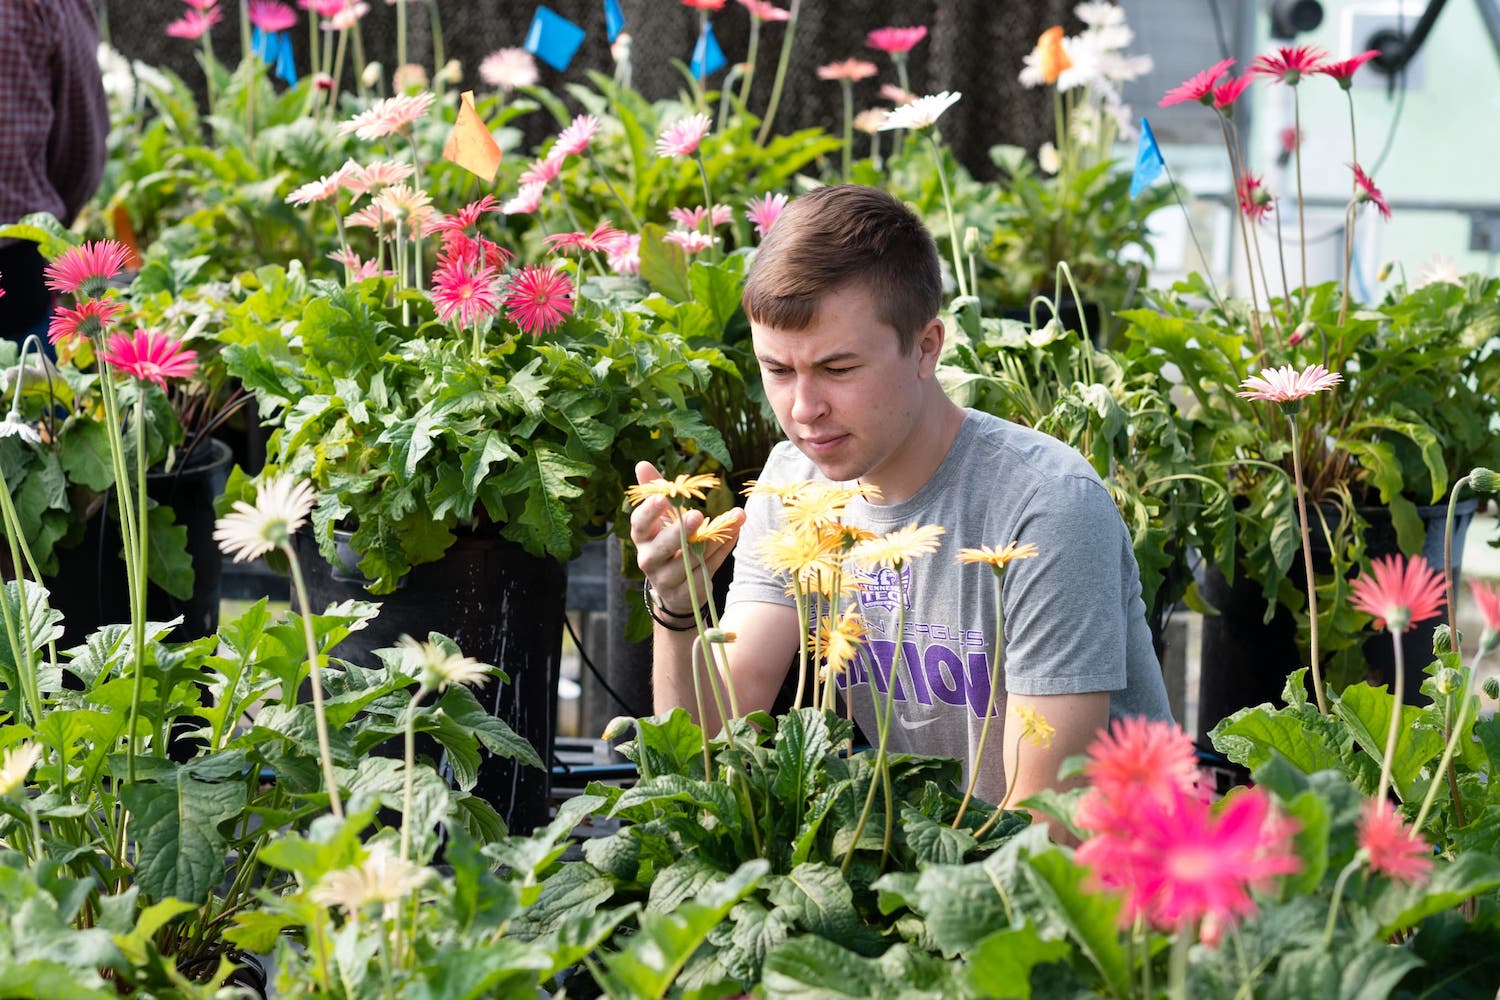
x=645 y=472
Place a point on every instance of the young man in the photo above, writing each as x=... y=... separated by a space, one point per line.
x=843 y=299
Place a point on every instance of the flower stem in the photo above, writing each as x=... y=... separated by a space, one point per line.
x=635 y=223
x=20 y=638
x=1349 y=226
x=848 y=151
x=1331 y=923
x=137 y=585
x=1182 y=941
x=953 y=246
x=752 y=56
x=781 y=65
x=409 y=784
x=320 y=718
x=885 y=722
x=1010 y=787
x=1301 y=214
x=1307 y=565
x=1453 y=638
x=1393 y=730
x=989 y=712
x=1445 y=765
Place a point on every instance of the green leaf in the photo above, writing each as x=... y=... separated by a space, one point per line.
x=180 y=850
x=1000 y=965
x=1251 y=735
x=1092 y=919
x=83 y=450
x=666 y=744
x=802 y=741
x=1367 y=711
x=168 y=564
x=933 y=842
x=822 y=901
x=545 y=526
x=664 y=265
x=1402 y=906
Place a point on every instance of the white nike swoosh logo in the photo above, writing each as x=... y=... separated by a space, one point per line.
x=915 y=725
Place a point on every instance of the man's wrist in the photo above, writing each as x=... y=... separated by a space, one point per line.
x=676 y=621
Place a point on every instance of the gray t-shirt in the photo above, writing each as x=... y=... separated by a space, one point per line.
x=1074 y=619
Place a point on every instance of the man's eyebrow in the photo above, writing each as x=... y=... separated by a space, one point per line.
x=830 y=359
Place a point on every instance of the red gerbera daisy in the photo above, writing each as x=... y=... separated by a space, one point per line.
x=1343 y=70
x=1369 y=192
x=1226 y=93
x=88 y=320
x=539 y=299
x=1399 y=592
x=1255 y=200
x=84 y=270
x=1288 y=64
x=467 y=291
x=1199 y=87
x=150 y=356
x=604 y=238
x=1393 y=849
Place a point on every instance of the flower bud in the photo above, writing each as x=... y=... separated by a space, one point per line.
x=370 y=78
x=452 y=72
x=1482 y=480
x=718 y=635
x=1488 y=640
x=617 y=727
x=1449 y=681
x=1492 y=688
x=1442 y=641
x=323 y=81
x=620 y=50
x=1304 y=330
x=971 y=240
x=1385 y=271
x=409 y=79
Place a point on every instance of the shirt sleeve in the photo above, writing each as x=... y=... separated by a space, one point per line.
x=1064 y=610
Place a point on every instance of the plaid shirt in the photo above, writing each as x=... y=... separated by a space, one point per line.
x=54 y=118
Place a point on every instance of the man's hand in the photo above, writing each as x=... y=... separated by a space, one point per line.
x=658 y=543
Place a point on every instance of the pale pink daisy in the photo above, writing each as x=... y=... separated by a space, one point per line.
x=150 y=356
x=322 y=189
x=539 y=299
x=508 y=69
x=604 y=238
x=895 y=41
x=763 y=10
x=194 y=23
x=683 y=137
x=692 y=218
x=90 y=319
x=371 y=217
x=544 y=170
x=869 y=120
x=357 y=268
x=465 y=292
x=347 y=18
x=87 y=268
x=1287 y=385
x=376 y=176
x=764 y=212
x=1393 y=850
x=404 y=202
x=692 y=242
x=410 y=78
x=272 y=15
x=526 y=201
x=893 y=93
x=626 y=256
x=575 y=138
x=389 y=116
x=1399 y=592
x=849 y=69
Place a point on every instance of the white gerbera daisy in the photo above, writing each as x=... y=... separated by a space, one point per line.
x=281 y=507
x=382 y=877
x=439 y=668
x=14 y=425
x=15 y=765
x=921 y=112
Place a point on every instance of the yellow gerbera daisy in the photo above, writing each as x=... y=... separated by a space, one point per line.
x=1035 y=728
x=681 y=488
x=898 y=547
x=714 y=529
x=839 y=640
x=790 y=550
x=998 y=558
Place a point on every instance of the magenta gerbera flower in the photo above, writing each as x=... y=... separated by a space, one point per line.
x=1369 y=192
x=1226 y=93
x=764 y=212
x=1289 y=64
x=894 y=41
x=89 y=319
x=150 y=356
x=465 y=291
x=1393 y=849
x=86 y=269
x=1399 y=592
x=682 y=138
x=1287 y=385
x=1255 y=200
x=193 y=23
x=272 y=15
x=1198 y=87
x=704 y=4
x=1343 y=70
x=539 y=299
x=603 y=239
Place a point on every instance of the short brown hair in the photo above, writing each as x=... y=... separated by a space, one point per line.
x=843 y=235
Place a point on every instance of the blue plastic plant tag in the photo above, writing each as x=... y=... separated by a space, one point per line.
x=708 y=58
x=286 y=63
x=614 y=20
x=552 y=38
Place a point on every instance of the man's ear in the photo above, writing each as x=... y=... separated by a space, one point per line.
x=929 y=345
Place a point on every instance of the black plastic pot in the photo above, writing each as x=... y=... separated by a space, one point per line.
x=1245 y=660
x=90 y=588
x=502 y=606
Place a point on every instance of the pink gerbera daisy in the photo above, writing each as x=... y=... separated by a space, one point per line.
x=322 y=189
x=1226 y=93
x=849 y=69
x=272 y=15
x=1255 y=200
x=465 y=291
x=193 y=23
x=1369 y=192
x=526 y=201
x=683 y=137
x=1487 y=596
x=376 y=176
x=692 y=218
x=346 y=18
x=201 y=4
x=544 y=170
x=603 y=239
x=150 y=356
x=764 y=212
x=763 y=10
x=1343 y=70
x=704 y=4
x=575 y=138
x=895 y=41
x=87 y=320
x=625 y=258
x=1399 y=592
x=1287 y=385
x=1288 y=64
x=1140 y=758
x=507 y=69
x=389 y=116
x=323 y=8
x=690 y=241
x=1198 y=87
x=1393 y=850
x=356 y=268
x=539 y=299
x=86 y=269
x=468 y=216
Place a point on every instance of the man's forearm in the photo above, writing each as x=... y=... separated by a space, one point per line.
x=674 y=656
